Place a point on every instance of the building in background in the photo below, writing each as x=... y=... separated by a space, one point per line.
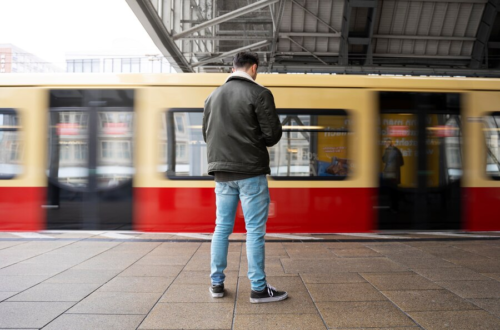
x=16 y=60
x=103 y=63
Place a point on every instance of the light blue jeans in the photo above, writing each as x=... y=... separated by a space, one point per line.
x=254 y=196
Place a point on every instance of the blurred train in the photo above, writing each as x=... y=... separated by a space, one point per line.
x=108 y=152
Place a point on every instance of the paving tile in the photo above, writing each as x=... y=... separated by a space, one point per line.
x=279 y=322
x=368 y=265
x=427 y=300
x=118 y=262
x=344 y=292
x=389 y=247
x=473 y=289
x=356 y=253
x=95 y=322
x=152 y=270
x=164 y=260
x=5 y=295
x=295 y=266
x=332 y=278
x=428 y=262
x=391 y=328
x=297 y=302
x=189 y=316
x=197 y=293
x=116 y=303
x=490 y=305
x=456 y=320
x=479 y=264
x=19 y=282
x=320 y=254
x=30 y=314
x=32 y=269
x=386 y=282
x=495 y=276
x=137 y=284
x=450 y=274
x=56 y=292
x=96 y=276
x=362 y=314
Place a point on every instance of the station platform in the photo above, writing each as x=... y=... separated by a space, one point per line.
x=132 y=280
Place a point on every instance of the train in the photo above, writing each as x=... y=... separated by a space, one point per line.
x=126 y=152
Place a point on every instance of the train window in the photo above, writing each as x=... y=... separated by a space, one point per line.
x=10 y=144
x=313 y=146
x=183 y=153
x=491 y=133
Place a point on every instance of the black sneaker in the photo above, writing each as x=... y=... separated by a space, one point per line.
x=269 y=294
x=217 y=291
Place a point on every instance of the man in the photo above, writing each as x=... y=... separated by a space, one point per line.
x=239 y=122
x=393 y=159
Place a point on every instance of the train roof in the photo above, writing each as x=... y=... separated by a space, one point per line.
x=269 y=80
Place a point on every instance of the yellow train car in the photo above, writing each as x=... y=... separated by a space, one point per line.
x=358 y=153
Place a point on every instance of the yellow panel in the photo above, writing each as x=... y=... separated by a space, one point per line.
x=477 y=105
x=152 y=102
x=31 y=106
x=270 y=80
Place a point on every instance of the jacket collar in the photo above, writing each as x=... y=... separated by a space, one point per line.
x=242 y=74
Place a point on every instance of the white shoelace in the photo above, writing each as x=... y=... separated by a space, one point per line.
x=271 y=290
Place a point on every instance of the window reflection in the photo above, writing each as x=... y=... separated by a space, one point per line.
x=491 y=133
x=190 y=150
x=312 y=146
x=10 y=144
x=115 y=142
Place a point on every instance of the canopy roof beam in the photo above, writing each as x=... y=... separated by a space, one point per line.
x=256 y=45
x=226 y=17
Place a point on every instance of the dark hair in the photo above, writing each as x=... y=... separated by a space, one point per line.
x=245 y=59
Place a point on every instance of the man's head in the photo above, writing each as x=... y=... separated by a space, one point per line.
x=246 y=62
x=388 y=142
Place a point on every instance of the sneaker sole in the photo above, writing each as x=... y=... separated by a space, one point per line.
x=268 y=300
x=216 y=295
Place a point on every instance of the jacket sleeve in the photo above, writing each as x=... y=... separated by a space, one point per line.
x=269 y=120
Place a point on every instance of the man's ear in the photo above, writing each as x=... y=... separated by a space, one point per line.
x=233 y=69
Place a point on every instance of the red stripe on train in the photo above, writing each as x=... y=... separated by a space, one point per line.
x=482 y=209
x=21 y=208
x=296 y=210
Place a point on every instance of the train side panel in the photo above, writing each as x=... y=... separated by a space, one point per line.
x=296 y=205
x=22 y=196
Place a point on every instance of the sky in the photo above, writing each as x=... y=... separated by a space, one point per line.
x=51 y=28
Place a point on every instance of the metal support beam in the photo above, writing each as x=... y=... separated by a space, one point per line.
x=226 y=17
x=344 y=35
x=308 y=51
x=152 y=23
x=223 y=37
x=274 y=45
x=313 y=15
x=309 y=34
x=256 y=45
x=480 y=47
x=370 y=27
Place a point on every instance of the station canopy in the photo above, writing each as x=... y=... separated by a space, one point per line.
x=424 y=37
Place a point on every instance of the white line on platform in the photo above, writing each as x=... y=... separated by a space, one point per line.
x=30 y=235
x=372 y=235
x=450 y=234
x=193 y=235
x=111 y=234
x=293 y=236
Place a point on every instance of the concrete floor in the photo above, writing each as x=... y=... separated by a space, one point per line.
x=91 y=280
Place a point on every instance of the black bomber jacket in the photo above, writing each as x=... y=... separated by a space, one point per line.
x=239 y=122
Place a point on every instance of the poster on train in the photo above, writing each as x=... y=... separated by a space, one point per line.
x=332 y=146
x=399 y=135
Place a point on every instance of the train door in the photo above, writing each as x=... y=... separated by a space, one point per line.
x=420 y=161
x=90 y=166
